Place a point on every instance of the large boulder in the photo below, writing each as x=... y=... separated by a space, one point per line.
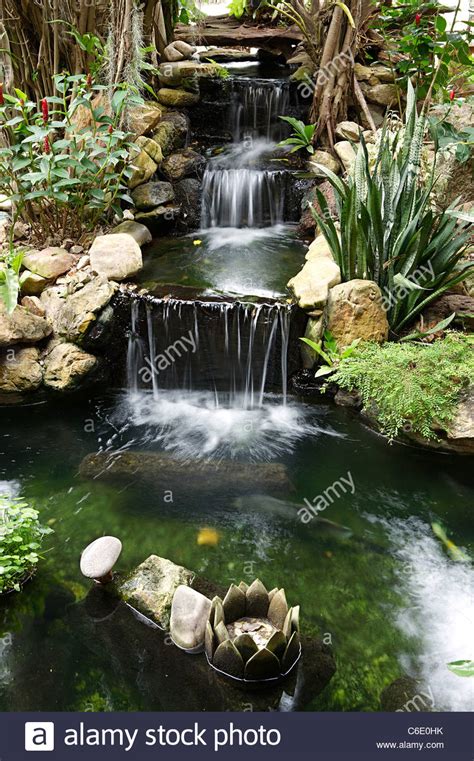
x=49 y=263
x=355 y=310
x=346 y=154
x=382 y=94
x=67 y=367
x=311 y=285
x=22 y=326
x=152 y=194
x=73 y=315
x=172 y=132
x=151 y=587
x=319 y=248
x=185 y=163
x=20 y=370
x=177 y=98
x=139 y=232
x=143 y=169
x=117 y=256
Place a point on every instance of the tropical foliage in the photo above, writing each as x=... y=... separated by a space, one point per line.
x=386 y=229
x=21 y=538
x=301 y=137
x=329 y=352
x=66 y=164
x=412 y=386
x=10 y=265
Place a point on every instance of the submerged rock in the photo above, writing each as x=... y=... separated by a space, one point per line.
x=116 y=256
x=22 y=326
x=189 y=613
x=355 y=310
x=20 y=370
x=151 y=588
x=163 y=471
x=67 y=367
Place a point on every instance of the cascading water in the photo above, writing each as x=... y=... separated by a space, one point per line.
x=256 y=107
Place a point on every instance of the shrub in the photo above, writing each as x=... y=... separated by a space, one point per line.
x=302 y=135
x=410 y=384
x=64 y=178
x=21 y=537
x=388 y=230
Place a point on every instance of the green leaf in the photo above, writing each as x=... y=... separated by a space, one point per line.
x=461 y=668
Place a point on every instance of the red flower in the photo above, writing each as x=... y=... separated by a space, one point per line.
x=47 y=145
x=45 y=110
x=89 y=80
x=21 y=102
x=110 y=130
x=2 y=99
x=452 y=95
x=418 y=19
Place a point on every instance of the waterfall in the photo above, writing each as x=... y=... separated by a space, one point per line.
x=237 y=190
x=242 y=198
x=256 y=106
x=244 y=353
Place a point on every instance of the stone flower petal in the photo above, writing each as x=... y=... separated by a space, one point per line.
x=228 y=659
x=277 y=644
x=234 y=604
x=257 y=599
x=291 y=653
x=278 y=609
x=221 y=632
x=262 y=665
x=209 y=641
x=246 y=646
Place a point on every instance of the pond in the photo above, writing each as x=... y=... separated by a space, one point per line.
x=377 y=586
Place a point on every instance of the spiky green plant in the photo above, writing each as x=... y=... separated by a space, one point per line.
x=387 y=229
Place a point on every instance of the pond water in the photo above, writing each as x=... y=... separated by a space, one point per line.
x=380 y=588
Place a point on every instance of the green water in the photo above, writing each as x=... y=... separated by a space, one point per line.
x=385 y=598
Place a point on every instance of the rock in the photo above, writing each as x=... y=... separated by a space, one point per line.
x=346 y=398
x=461 y=305
x=184 y=48
x=327 y=160
x=143 y=169
x=348 y=131
x=307 y=222
x=189 y=614
x=172 y=132
x=150 y=147
x=144 y=118
x=461 y=430
x=176 y=98
x=67 y=367
x=31 y=284
x=188 y=195
x=362 y=73
x=33 y=305
x=139 y=232
x=20 y=370
x=355 y=310
x=383 y=95
x=377 y=113
x=163 y=471
x=319 y=247
x=151 y=588
x=173 y=74
x=100 y=556
x=171 y=54
x=311 y=285
x=405 y=694
x=49 y=263
x=314 y=331
x=162 y=214
x=21 y=326
x=185 y=163
x=153 y=194
x=76 y=250
x=383 y=73
x=73 y=316
x=117 y=256
x=346 y=153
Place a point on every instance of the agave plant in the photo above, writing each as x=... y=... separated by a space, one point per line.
x=388 y=230
x=252 y=634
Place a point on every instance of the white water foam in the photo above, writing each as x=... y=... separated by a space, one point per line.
x=439 y=612
x=195 y=424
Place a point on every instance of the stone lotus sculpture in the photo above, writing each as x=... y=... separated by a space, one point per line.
x=251 y=634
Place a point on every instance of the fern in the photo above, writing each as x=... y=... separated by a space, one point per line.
x=410 y=385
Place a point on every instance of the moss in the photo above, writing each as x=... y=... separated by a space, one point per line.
x=410 y=384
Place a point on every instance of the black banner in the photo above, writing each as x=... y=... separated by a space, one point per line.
x=332 y=736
